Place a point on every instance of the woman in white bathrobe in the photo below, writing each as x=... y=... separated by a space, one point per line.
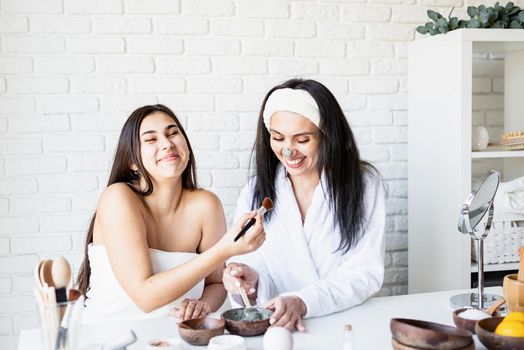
x=325 y=235
x=156 y=242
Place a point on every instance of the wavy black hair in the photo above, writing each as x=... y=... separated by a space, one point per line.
x=339 y=160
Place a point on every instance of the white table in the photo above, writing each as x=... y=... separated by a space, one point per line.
x=370 y=325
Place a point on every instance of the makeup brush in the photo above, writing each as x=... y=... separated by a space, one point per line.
x=73 y=294
x=267 y=205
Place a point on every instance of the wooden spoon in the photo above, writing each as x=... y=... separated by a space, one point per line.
x=45 y=273
x=37 y=275
x=61 y=272
x=498 y=303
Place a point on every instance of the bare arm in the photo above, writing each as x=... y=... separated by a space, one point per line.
x=213 y=228
x=124 y=234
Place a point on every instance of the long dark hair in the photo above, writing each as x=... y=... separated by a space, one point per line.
x=339 y=159
x=128 y=153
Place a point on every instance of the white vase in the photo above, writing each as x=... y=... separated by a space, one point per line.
x=479 y=138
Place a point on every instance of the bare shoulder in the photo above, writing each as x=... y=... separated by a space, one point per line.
x=118 y=194
x=204 y=200
x=119 y=217
x=210 y=216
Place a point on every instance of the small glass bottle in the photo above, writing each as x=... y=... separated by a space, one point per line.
x=348 y=337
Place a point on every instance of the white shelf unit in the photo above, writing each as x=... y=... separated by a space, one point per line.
x=496 y=267
x=497 y=152
x=439 y=146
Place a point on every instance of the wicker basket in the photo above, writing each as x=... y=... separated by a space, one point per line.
x=502 y=244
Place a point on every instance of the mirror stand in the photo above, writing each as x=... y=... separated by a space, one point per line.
x=479 y=299
x=478 y=206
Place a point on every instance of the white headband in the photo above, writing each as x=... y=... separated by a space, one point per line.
x=292 y=100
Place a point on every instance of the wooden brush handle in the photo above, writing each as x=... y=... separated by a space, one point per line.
x=520 y=276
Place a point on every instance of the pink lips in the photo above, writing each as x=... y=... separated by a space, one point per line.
x=297 y=165
x=169 y=157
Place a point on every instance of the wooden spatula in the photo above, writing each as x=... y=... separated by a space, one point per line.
x=494 y=307
x=244 y=296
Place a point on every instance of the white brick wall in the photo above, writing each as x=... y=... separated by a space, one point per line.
x=71 y=71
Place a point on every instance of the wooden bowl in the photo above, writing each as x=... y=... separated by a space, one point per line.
x=236 y=325
x=464 y=323
x=400 y=346
x=198 y=331
x=485 y=330
x=429 y=335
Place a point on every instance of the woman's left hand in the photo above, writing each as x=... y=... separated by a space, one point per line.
x=191 y=308
x=287 y=312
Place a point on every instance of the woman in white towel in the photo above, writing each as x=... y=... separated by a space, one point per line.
x=156 y=242
x=325 y=236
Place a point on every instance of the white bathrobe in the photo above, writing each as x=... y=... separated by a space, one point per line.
x=301 y=259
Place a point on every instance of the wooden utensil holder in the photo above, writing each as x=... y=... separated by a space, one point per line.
x=514 y=287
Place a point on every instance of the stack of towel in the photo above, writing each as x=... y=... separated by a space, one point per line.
x=507 y=231
x=509 y=201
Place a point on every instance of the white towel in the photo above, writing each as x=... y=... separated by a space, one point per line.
x=509 y=201
x=107 y=300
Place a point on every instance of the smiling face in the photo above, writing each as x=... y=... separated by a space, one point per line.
x=163 y=148
x=301 y=136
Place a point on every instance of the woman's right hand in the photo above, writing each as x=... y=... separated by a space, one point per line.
x=249 y=242
x=237 y=275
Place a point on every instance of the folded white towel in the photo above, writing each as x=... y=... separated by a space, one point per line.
x=509 y=200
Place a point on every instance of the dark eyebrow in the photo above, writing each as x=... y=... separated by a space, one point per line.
x=154 y=131
x=305 y=133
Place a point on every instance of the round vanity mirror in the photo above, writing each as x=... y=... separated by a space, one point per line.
x=474 y=222
x=478 y=204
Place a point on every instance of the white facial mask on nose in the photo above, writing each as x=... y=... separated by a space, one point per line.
x=286 y=152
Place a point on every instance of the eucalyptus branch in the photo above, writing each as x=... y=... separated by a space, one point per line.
x=508 y=16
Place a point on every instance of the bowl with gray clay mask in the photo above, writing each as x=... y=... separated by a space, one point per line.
x=247 y=322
